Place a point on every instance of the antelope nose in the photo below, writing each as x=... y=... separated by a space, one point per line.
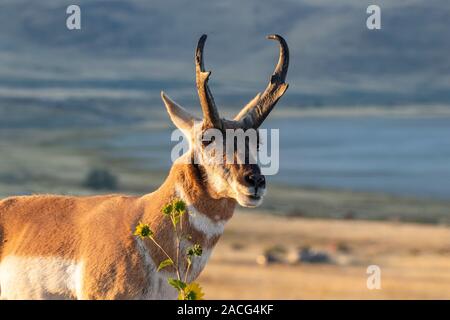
x=257 y=180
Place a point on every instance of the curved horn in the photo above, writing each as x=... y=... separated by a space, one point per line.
x=254 y=114
x=210 y=113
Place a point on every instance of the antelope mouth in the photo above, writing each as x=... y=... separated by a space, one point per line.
x=249 y=200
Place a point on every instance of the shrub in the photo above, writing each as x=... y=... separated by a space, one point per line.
x=101 y=179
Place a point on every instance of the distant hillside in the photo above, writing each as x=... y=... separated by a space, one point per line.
x=128 y=51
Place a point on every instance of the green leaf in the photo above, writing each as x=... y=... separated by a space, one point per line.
x=177 y=284
x=165 y=263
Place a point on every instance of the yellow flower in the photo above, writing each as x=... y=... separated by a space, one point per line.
x=192 y=291
x=143 y=230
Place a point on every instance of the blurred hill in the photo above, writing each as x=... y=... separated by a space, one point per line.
x=128 y=51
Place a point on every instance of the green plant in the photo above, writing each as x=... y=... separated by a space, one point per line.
x=175 y=210
x=101 y=179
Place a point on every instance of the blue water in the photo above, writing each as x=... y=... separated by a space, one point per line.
x=406 y=156
x=403 y=156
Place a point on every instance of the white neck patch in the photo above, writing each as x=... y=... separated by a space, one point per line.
x=200 y=221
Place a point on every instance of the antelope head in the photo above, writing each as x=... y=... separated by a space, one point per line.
x=240 y=178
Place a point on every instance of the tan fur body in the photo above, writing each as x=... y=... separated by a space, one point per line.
x=98 y=232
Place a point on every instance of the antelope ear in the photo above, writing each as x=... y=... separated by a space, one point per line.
x=180 y=117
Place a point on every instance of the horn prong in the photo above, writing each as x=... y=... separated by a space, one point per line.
x=210 y=112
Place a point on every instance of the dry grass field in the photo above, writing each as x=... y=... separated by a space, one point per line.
x=414 y=260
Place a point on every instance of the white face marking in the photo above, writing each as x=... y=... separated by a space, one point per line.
x=218 y=180
x=200 y=221
x=243 y=193
x=40 y=278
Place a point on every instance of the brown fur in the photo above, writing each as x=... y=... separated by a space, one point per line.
x=99 y=231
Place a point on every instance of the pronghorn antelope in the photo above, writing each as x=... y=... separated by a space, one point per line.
x=63 y=247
